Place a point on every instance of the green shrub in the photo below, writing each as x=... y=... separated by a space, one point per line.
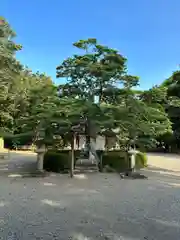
x=141 y=160
x=116 y=160
x=58 y=161
x=120 y=161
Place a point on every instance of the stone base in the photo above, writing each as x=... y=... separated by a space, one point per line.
x=86 y=162
x=36 y=174
x=85 y=165
x=132 y=175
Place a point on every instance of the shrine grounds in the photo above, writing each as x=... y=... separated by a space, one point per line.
x=93 y=206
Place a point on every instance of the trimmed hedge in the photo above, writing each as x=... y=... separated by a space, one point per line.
x=120 y=161
x=56 y=162
x=59 y=161
x=117 y=160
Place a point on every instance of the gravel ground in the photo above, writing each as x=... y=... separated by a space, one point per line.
x=96 y=206
x=100 y=206
x=17 y=162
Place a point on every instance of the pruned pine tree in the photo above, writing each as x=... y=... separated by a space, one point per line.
x=99 y=96
x=99 y=77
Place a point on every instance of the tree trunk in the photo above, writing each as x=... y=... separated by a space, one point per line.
x=87 y=134
x=101 y=163
x=72 y=157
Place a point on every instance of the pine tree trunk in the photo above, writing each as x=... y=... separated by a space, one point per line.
x=101 y=163
x=72 y=157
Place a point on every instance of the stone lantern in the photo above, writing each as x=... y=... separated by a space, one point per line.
x=40 y=150
x=132 y=154
x=40 y=157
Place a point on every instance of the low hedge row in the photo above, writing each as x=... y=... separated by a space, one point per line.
x=60 y=160
x=56 y=162
x=116 y=160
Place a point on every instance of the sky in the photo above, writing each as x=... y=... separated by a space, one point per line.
x=146 y=32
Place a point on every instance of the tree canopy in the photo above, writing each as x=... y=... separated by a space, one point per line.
x=99 y=95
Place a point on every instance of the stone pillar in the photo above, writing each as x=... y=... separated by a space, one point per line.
x=40 y=157
x=133 y=159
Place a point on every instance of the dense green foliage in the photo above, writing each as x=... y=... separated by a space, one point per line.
x=59 y=161
x=167 y=97
x=116 y=160
x=99 y=97
x=56 y=161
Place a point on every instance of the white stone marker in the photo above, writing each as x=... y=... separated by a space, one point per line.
x=40 y=157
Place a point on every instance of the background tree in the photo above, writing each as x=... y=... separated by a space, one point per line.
x=9 y=69
x=172 y=85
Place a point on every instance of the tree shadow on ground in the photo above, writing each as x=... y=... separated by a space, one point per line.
x=83 y=229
